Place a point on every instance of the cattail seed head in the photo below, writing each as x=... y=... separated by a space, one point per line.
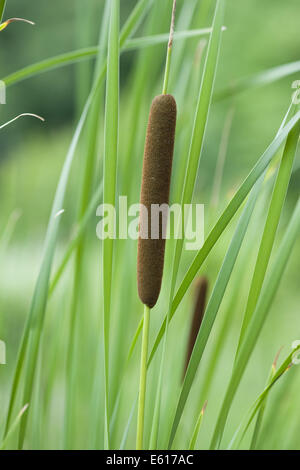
x=199 y=309
x=156 y=177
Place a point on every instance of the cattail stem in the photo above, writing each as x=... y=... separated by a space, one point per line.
x=169 y=51
x=155 y=189
x=143 y=378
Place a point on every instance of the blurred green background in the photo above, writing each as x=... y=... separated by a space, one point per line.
x=260 y=34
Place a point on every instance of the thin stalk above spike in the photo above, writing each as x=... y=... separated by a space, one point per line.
x=169 y=51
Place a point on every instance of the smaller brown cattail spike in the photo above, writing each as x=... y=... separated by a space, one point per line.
x=201 y=292
x=157 y=167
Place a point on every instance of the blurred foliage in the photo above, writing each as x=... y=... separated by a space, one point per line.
x=260 y=34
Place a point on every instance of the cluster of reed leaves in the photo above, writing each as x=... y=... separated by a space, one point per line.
x=88 y=345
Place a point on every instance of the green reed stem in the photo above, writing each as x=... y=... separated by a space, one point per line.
x=143 y=378
x=2 y=8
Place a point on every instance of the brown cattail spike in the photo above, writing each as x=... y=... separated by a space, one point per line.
x=201 y=291
x=155 y=189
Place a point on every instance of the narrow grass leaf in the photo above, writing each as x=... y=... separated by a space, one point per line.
x=200 y=123
x=88 y=172
x=9 y=230
x=259 y=79
x=260 y=415
x=267 y=296
x=13 y=427
x=76 y=238
x=214 y=304
x=127 y=427
x=109 y=182
x=37 y=310
x=35 y=319
x=195 y=434
x=78 y=55
x=260 y=402
x=271 y=225
x=2 y=8
x=154 y=40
